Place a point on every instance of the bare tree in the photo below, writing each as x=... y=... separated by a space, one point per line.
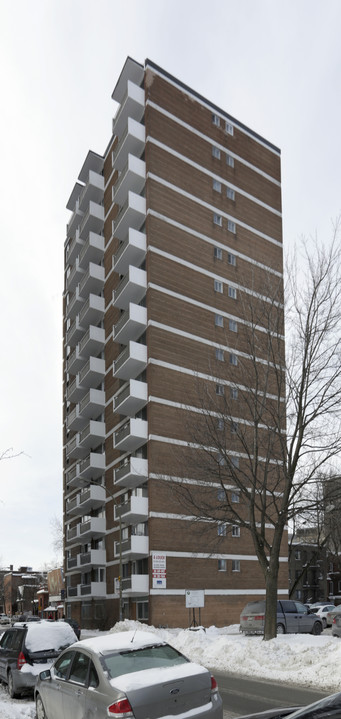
x=267 y=431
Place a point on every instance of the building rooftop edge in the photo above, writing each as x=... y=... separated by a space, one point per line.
x=211 y=104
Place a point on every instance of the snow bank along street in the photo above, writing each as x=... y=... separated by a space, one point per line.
x=299 y=659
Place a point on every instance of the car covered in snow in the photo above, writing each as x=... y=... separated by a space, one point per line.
x=28 y=648
x=126 y=674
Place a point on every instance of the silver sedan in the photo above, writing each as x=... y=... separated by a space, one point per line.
x=126 y=674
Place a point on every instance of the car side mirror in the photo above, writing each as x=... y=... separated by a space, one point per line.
x=45 y=675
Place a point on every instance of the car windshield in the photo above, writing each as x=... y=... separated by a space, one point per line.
x=125 y=662
x=327 y=707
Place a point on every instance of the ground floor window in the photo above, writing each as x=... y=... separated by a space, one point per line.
x=142 y=611
x=86 y=610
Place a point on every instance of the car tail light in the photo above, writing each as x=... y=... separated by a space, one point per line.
x=214 y=685
x=21 y=660
x=260 y=617
x=121 y=708
x=334 y=620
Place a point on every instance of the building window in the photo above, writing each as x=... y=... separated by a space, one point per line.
x=232 y=292
x=218 y=286
x=221 y=565
x=218 y=253
x=221 y=424
x=233 y=359
x=229 y=128
x=231 y=226
x=217 y=219
x=235 y=565
x=219 y=354
x=235 y=531
x=234 y=461
x=231 y=259
x=217 y=185
x=234 y=427
x=229 y=160
x=233 y=392
x=142 y=611
x=233 y=327
x=215 y=152
x=219 y=389
x=299 y=594
x=235 y=497
x=221 y=495
x=297 y=554
x=222 y=530
x=230 y=193
x=216 y=120
x=219 y=321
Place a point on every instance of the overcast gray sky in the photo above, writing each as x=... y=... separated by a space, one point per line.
x=273 y=64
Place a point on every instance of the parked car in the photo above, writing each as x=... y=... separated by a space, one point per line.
x=292 y=618
x=4 y=619
x=323 y=709
x=332 y=614
x=321 y=610
x=336 y=625
x=131 y=674
x=75 y=626
x=26 y=649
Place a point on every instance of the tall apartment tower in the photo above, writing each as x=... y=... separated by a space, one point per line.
x=170 y=227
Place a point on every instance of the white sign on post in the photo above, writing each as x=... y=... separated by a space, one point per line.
x=195 y=598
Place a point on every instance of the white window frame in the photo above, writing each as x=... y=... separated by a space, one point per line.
x=218 y=286
x=219 y=390
x=233 y=359
x=231 y=226
x=233 y=327
x=222 y=565
x=229 y=160
x=234 y=392
x=222 y=529
x=235 y=565
x=217 y=219
x=231 y=259
x=232 y=292
x=216 y=185
x=215 y=120
x=219 y=354
x=230 y=193
x=216 y=152
x=235 y=530
x=218 y=253
x=219 y=321
x=235 y=497
x=229 y=128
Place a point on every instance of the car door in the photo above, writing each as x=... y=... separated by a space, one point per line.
x=52 y=689
x=75 y=687
x=10 y=647
x=305 y=620
x=291 y=619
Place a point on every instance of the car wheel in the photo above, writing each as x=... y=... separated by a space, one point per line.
x=280 y=629
x=10 y=685
x=317 y=628
x=324 y=622
x=40 y=709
